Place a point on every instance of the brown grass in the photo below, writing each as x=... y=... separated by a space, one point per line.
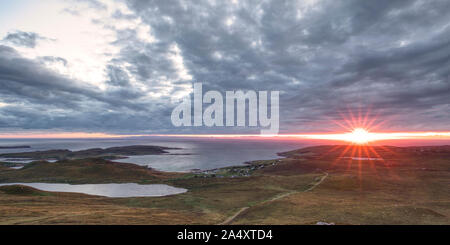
x=409 y=187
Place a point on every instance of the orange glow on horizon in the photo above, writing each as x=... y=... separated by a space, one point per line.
x=358 y=136
x=360 y=129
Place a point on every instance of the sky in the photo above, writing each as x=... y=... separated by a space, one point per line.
x=120 y=66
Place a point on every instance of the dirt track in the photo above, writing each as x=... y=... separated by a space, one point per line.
x=242 y=210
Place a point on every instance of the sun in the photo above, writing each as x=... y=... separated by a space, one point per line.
x=360 y=136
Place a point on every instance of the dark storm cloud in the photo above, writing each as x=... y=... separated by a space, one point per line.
x=328 y=58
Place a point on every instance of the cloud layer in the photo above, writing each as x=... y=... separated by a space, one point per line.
x=327 y=58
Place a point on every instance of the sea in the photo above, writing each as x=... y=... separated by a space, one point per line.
x=193 y=153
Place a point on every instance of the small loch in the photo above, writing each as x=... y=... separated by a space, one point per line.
x=108 y=190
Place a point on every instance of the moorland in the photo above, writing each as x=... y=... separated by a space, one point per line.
x=340 y=184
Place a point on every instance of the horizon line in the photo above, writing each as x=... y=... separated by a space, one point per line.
x=341 y=136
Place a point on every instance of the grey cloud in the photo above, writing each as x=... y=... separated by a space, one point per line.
x=24 y=39
x=339 y=56
x=117 y=76
x=76 y=9
x=53 y=59
x=39 y=98
x=95 y=4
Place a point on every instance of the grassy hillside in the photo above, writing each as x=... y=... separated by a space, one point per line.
x=91 y=170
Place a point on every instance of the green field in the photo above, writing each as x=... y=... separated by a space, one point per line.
x=317 y=184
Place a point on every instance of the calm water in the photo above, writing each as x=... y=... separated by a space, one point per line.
x=195 y=153
x=109 y=190
x=204 y=153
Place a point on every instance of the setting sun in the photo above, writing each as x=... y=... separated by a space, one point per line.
x=360 y=136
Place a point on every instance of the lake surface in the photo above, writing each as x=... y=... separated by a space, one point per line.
x=109 y=190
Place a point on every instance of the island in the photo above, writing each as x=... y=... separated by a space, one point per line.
x=107 y=153
x=15 y=147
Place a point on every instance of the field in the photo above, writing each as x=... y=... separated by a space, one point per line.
x=316 y=184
